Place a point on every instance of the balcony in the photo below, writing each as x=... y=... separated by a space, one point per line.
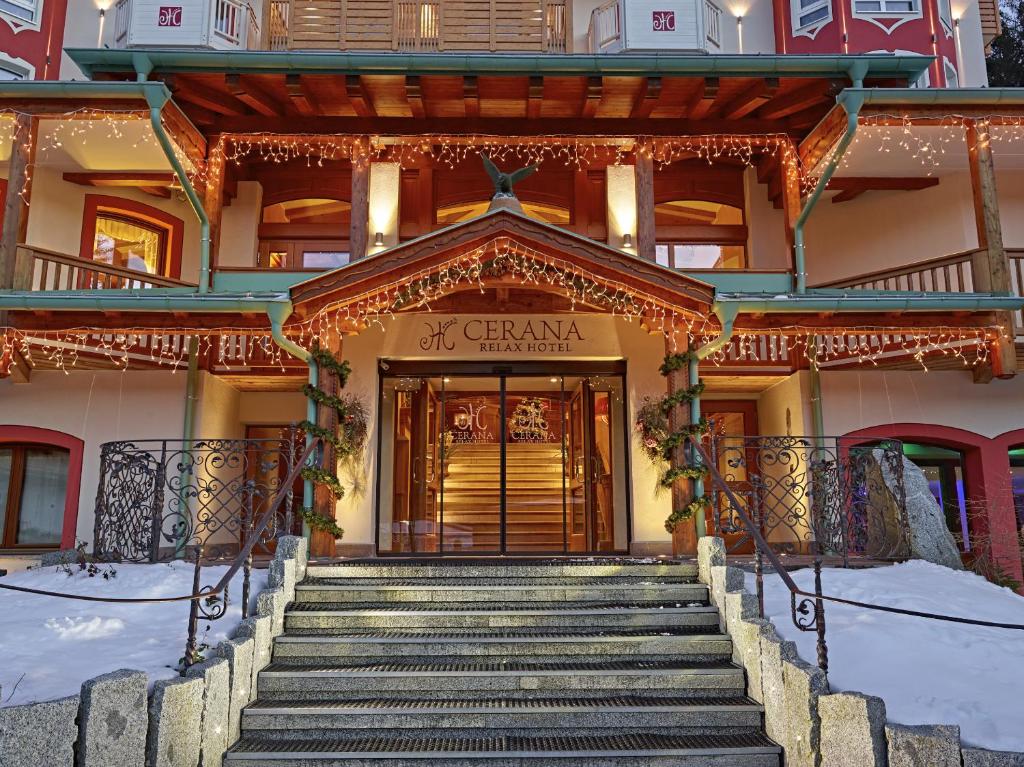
x=428 y=26
x=680 y=26
x=211 y=24
x=46 y=270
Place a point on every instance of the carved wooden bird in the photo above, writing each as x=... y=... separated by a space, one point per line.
x=503 y=181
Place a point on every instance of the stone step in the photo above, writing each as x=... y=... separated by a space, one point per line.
x=516 y=679
x=330 y=590
x=455 y=717
x=341 y=615
x=503 y=567
x=487 y=644
x=751 y=749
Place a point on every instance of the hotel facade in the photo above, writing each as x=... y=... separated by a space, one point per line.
x=813 y=211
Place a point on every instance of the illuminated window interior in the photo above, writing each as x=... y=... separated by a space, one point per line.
x=549 y=214
x=308 y=211
x=130 y=243
x=706 y=248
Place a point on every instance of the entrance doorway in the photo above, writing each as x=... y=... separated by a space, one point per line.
x=491 y=459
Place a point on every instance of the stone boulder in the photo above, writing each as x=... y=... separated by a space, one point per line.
x=929 y=537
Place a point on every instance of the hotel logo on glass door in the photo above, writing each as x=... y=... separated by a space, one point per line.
x=523 y=335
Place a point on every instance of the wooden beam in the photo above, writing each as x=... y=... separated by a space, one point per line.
x=471 y=96
x=755 y=95
x=790 y=199
x=208 y=98
x=851 y=187
x=592 y=97
x=535 y=97
x=188 y=138
x=358 y=96
x=213 y=196
x=797 y=100
x=701 y=102
x=300 y=96
x=252 y=95
x=647 y=98
x=645 y=229
x=360 y=213
x=414 y=96
x=119 y=179
x=19 y=190
x=990 y=266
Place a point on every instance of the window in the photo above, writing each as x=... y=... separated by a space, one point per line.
x=130 y=243
x=886 y=7
x=33 y=491
x=307 y=233
x=1017 y=483
x=25 y=10
x=15 y=69
x=946 y=15
x=952 y=76
x=811 y=15
x=700 y=234
x=944 y=470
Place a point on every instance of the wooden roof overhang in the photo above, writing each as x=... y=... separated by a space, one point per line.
x=913 y=106
x=507 y=94
x=666 y=291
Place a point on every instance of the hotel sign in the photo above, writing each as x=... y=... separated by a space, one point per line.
x=169 y=16
x=517 y=335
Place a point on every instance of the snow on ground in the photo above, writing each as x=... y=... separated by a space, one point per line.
x=53 y=645
x=927 y=671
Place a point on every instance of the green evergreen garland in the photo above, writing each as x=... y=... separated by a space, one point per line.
x=679 y=437
x=327 y=364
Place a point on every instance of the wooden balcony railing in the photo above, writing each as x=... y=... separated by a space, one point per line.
x=45 y=270
x=949 y=274
x=427 y=25
x=274 y=35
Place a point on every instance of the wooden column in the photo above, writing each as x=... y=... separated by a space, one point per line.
x=360 y=216
x=19 y=190
x=678 y=416
x=645 y=231
x=990 y=267
x=324 y=501
x=213 y=197
x=789 y=178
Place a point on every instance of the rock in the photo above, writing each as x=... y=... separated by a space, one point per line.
x=55 y=558
x=852 y=730
x=930 y=538
x=271 y=602
x=239 y=655
x=216 y=676
x=39 y=734
x=113 y=720
x=747 y=644
x=803 y=685
x=175 y=723
x=981 y=757
x=259 y=630
x=774 y=651
x=294 y=547
x=281 y=574
x=710 y=553
x=923 y=745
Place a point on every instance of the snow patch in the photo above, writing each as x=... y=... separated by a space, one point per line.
x=50 y=646
x=927 y=671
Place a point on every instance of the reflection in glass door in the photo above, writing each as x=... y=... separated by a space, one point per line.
x=501 y=464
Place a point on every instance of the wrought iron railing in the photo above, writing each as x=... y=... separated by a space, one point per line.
x=211 y=602
x=807 y=608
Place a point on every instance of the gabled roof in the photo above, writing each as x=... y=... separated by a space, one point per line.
x=417 y=256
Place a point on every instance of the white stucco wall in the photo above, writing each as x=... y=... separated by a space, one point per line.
x=239 y=227
x=785 y=408
x=766 y=227
x=97 y=407
x=82 y=30
x=859 y=399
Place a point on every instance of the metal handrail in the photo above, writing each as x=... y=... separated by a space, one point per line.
x=222 y=584
x=814 y=600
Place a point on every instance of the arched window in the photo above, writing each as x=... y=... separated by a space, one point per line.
x=40 y=474
x=1016 y=455
x=131 y=235
x=700 y=234
x=306 y=233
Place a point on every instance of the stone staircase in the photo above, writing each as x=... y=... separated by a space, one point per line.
x=495 y=663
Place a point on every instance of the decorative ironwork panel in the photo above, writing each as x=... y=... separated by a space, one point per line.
x=157 y=498
x=830 y=495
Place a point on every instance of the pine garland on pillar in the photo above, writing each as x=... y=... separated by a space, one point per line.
x=680 y=463
x=331 y=411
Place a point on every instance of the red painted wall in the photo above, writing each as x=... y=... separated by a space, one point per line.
x=847 y=34
x=39 y=46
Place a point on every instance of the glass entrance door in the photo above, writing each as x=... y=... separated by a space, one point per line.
x=501 y=464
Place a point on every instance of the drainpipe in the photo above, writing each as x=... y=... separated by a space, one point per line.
x=156 y=104
x=852 y=103
x=727 y=316
x=278 y=313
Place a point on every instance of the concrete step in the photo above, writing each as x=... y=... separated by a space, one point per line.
x=341 y=615
x=509 y=679
x=504 y=567
x=504 y=595
x=454 y=717
x=751 y=749
x=425 y=645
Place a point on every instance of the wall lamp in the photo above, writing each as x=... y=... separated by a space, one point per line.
x=378 y=240
x=627 y=240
